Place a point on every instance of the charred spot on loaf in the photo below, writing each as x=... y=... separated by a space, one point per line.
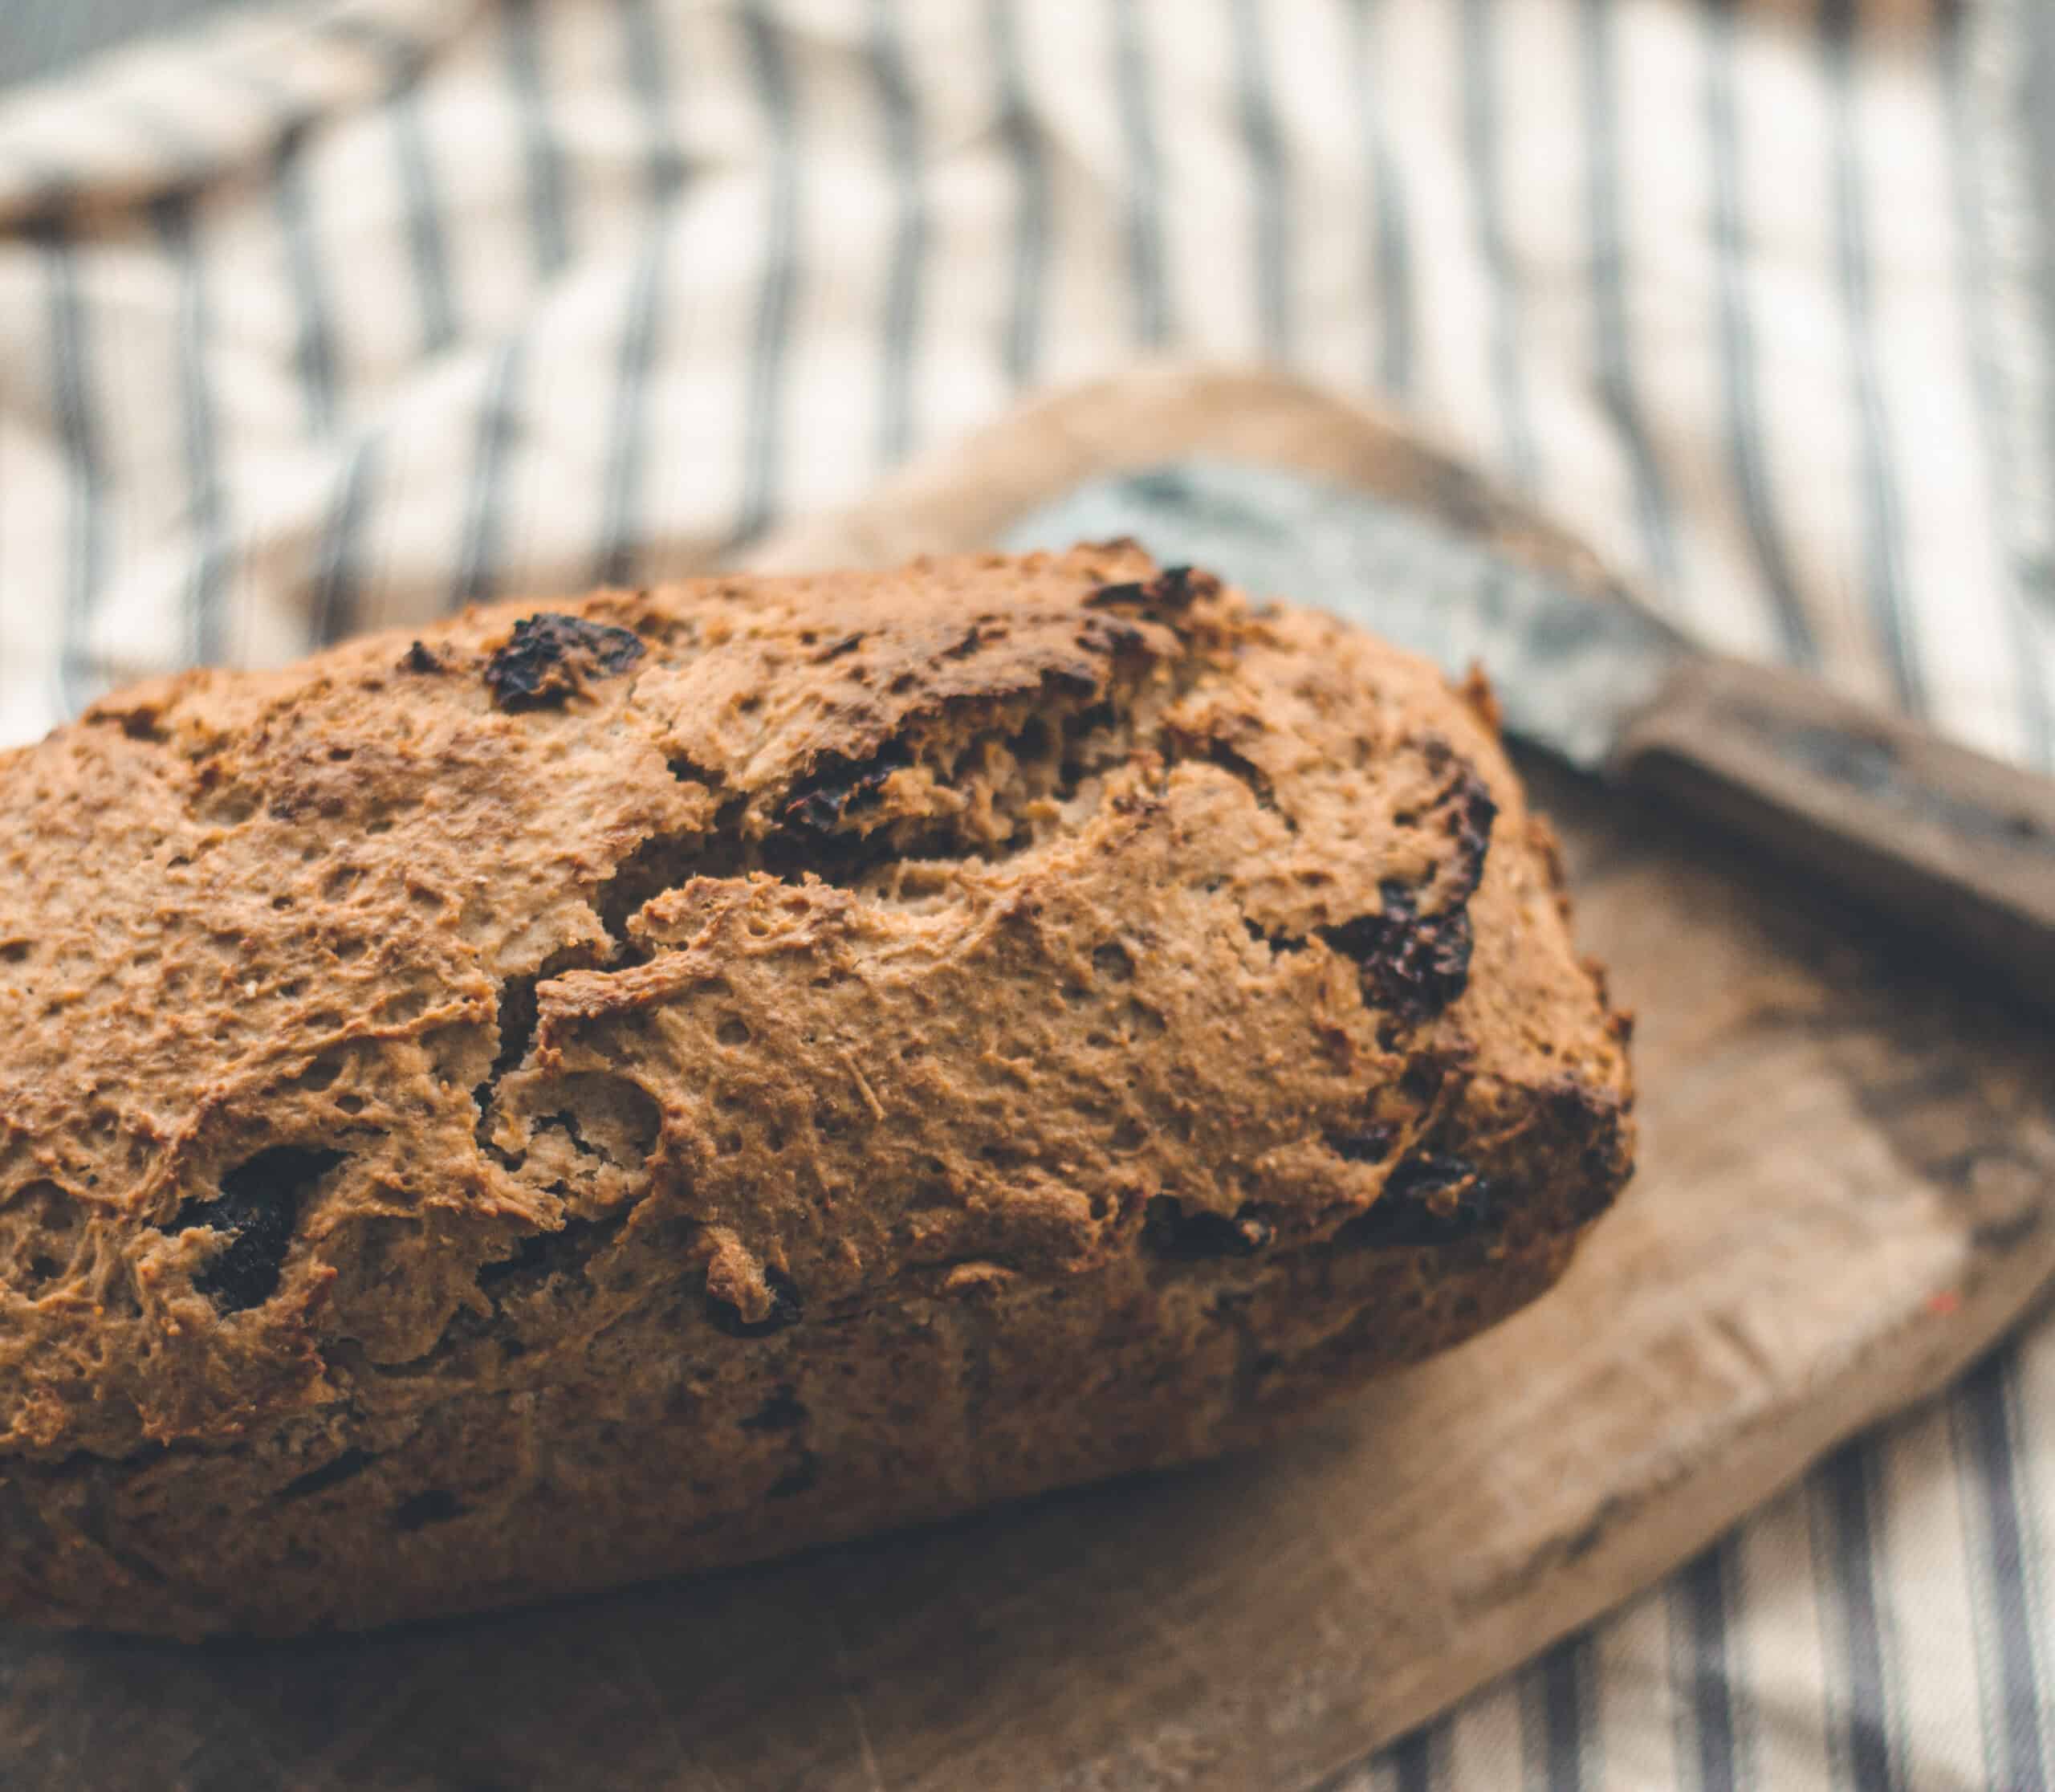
x=612 y=1119
x=345 y=1467
x=1416 y=964
x=1424 y=1076
x=1117 y=640
x=828 y=823
x=1169 y=1232
x=517 y=1012
x=1369 y=1145
x=551 y=656
x=1428 y=1199
x=543 y=1255
x=1239 y=765
x=1171 y=593
x=666 y=862
x=1064 y=681
x=437 y=1506
x=785 y=1310
x=1081 y=729
x=1470 y=812
x=531 y=1259
x=1129 y=594
x=687 y=771
x=1591 y=1126
x=1211 y=749
x=781 y=1412
x=836 y=784
x=1282 y=942
x=256 y=1210
x=1026 y=746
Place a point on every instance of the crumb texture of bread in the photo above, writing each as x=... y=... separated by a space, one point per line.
x=637 y=1084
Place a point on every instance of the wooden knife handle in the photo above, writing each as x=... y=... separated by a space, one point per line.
x=1953 y=843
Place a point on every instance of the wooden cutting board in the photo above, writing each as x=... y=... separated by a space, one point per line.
x=1848 y=1171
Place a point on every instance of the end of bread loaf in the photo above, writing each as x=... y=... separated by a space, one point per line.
x=633 y=1085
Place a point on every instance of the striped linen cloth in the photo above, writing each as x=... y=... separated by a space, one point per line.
x=342 y=316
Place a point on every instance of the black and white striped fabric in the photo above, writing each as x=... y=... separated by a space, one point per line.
x=351 y=314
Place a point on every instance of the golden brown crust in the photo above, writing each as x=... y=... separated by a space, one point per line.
x=666 y=1078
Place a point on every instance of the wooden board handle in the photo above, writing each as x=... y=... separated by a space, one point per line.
x=1953 y=843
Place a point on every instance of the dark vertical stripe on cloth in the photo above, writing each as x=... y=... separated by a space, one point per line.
x=78 y=424
x=1612 y=344
x=404 y=59
x=1391 y=274
x=1413 y=1761
x=648 y=69
x=539 y=146
x=1144 y=180
x=1743 y=427
x=424 y=224
x=1480 y=143
x=1984 y=1420
x=338 y=558
x=1973 y=279
x=1556 y=1735
x=902 y=293
x=620 y=529
x=1858 y=1735
x=1883 y=545
x=207 y=584
x=477 y=568
x=650 y=55
x=500 y=404
x=313 y=358
x=1021 y=350
x=1264 y=143
x=764 y=436
x=314 y=348
x=338 y=574
x=1701 y=1667
x=314 y=351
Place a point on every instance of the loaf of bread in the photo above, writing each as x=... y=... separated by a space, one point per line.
x=632 y=1085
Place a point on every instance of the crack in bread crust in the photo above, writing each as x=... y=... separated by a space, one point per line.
x=455 y=1071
